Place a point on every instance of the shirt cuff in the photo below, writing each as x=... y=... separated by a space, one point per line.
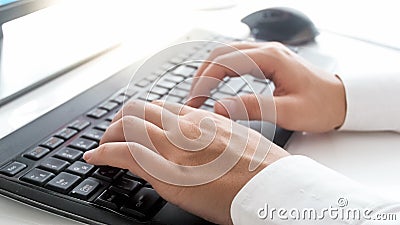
x=372 y=102
x=295 y=184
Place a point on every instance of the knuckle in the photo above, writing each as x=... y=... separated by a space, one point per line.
x=188 y=127
x=274 y=51
x=151 y=130
x=118 y=124
x=103 y=150
x=125 y=124
x=130 y=105
x=274 y=46
x=126 y=121
x=218 y=51
x=277 y=49
x=277 y=45
x=222 y=62
x=218 y=59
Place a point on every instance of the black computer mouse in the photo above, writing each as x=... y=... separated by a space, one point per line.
x=282 y=24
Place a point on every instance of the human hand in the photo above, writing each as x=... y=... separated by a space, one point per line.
x=306 y=98
x=193 y=158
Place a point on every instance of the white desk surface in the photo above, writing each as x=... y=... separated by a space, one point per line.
x=370 y=158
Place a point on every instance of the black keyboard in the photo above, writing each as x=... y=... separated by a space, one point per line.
x=54 y=166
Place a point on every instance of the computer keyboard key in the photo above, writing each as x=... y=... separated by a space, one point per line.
x=93 y=134
x=207 y=108
x=103 y=125
x=235 y=84
x=269 y=90
x=167 y=66
x=184 y=71
x=142 y=204
x=153 y=77
x=120 y=99
x=225 y=79
x=111 y=199
x=83 y=144
x=166 y=84
x=79 y=124
x=179 y=93
x=226 y=90
x=53 y=165
x=133 y=176
x=194 y=64
x=37 y=176
x=142 y=83
x=125 y=185
x=107 y=173
x=149 y=96
x=220 y=95
x=111 y=117
x=52 y=143
x=170 y=98
x=108 y=105
x=85 y=189
x=97 y=113
x=159 y=90
x=209 y=102
x=129 y=92
x=184 y=86
x=173 y=78
x=183 y=101
x=63 y=182
x=69 y=154
x=12 y=168
x=244 y=92
x=66 y=133
x=264 y=81
x=256 y=87
x=80 y=168
x=36 y=153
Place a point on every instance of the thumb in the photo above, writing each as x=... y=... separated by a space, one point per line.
x=247 y=107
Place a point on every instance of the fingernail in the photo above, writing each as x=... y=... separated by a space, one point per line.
x=88 y=155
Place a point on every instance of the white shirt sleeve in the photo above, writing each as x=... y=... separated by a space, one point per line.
x=298 y=190
x=372 y=102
